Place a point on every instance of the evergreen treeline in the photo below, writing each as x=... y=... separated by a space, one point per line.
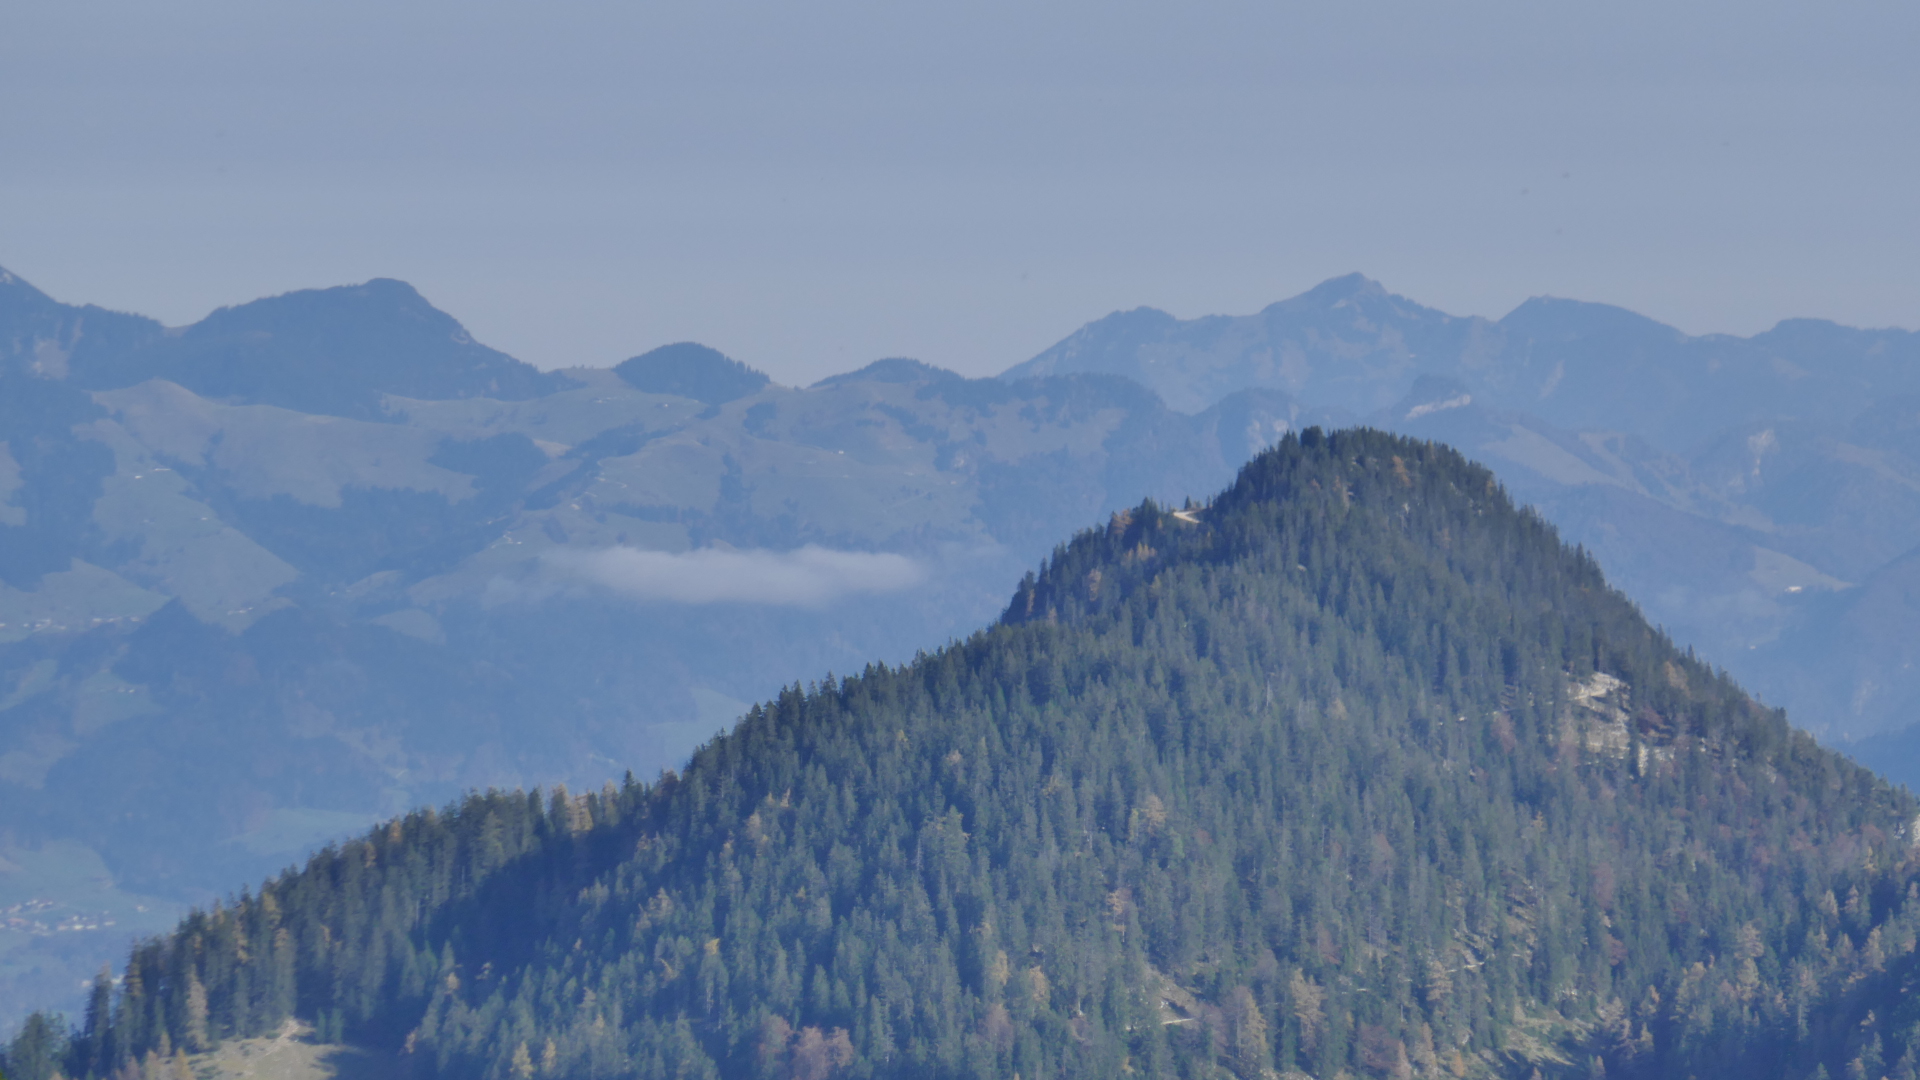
x=1355 y=770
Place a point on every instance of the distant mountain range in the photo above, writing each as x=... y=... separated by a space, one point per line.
x=322 y=558
x=1759 y=497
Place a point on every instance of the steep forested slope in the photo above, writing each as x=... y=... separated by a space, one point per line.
x=1354 y=770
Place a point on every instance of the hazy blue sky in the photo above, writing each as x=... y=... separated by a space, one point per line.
x=811 y=186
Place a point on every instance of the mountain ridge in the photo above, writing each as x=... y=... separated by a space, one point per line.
x=1353 y=320
x=335 y=350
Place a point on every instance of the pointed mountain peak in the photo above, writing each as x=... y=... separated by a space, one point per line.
x=1352 y=286
x=1352 y=293
x=17 y=292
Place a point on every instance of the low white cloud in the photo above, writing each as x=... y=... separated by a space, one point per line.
x=808 y=577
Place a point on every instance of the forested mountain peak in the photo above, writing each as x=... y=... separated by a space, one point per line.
x=1630 y=695
x=1353 y=769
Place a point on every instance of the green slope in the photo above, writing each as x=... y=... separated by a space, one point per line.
x=1355 y=770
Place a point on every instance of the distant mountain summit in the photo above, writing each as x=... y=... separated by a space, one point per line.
x=689 y=369
x=334 y=351
x=1350 y=344
x=1348 y=341
x=337 y=351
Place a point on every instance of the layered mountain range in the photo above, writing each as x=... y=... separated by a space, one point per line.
x=1759 y=497
x=251 y=599
x=322 y=558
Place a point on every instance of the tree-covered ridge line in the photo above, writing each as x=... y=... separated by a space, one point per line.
x=1355 y=769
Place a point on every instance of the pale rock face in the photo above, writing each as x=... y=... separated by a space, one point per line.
x=1597 y=706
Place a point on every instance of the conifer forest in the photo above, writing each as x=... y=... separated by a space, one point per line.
x=1353 y=770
